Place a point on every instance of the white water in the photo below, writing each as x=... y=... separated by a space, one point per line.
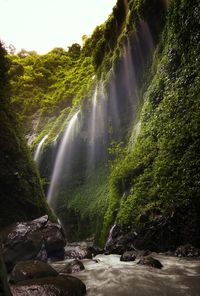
x=92 y=133
x=146 y=34
x=64 y=149
x=111 y=277
x=97 y=125
x=93 y=120
x=110 y=235
x=37 y=154
x=129 y=71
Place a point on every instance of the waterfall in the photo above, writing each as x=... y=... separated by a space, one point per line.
x=37 y=154
x=129 y=71
x=64 y=149
x=96 y=129
x=94 y=118
x=92 y=132
x=110 y=236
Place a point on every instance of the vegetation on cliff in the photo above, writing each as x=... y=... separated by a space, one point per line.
x=21 y=196
x=160 y=172
x=152 y=164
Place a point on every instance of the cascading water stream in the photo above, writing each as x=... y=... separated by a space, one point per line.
x=129 y=71
x=60 y=158
x=37 y=154
x=96 y=127
x=110 y=276
x=93 y=121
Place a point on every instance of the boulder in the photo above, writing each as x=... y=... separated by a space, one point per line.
x=120 y=239
x=157 y=231
x=54 y=239
x=27 y=240
x=73 y=267
x=78 y=253
x=132 y=255
x=4 y=287
x=128 y=256
x=95 y=250
x=27 y=270
x=150 y=261
x=187 y=251
x=50 y=286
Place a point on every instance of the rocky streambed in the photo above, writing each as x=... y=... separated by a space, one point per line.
x=108 y=276
x=39 y=263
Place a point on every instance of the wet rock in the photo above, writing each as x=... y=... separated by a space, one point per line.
x=54 y=239
x=132 y=255
x=4 y=287
x=50 y=286
x=78 y=253
x=128 y=256
x=27 y=270
x=157 y=232
x=120 y=240
x=95 y=250
x=150 y=261
x=24 y=240
x=73 y=267
x=96 y=260
x=187 y=251
x=42 y=255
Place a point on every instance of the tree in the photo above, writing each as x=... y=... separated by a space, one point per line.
x=74 y=50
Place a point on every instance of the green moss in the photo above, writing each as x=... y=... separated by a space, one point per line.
x=21 y=196
x=166 y=149
x=158 y=164
x=85 y=201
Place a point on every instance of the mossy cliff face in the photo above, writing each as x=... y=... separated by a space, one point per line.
x=21 y=195
x=153 y=166
x=160 y=172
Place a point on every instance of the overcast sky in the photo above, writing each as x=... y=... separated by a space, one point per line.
x=42 y=25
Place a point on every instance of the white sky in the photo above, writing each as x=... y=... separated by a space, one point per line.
x=42 y=25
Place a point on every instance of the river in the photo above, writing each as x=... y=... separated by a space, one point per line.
x=111 y=277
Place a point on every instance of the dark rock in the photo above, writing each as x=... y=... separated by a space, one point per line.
x=27 y=270
x=157 y=232
x=95 y=250
x=187 y=251
x=132 y=255
x=50 y=286
x=107 y=253
x=78 y=253
x=128 y=256
x=120 y=240
x=24 y=241
x=73 y=267
x=42 y=255
x=4 y=287
x=150 y=261
x=54 y=238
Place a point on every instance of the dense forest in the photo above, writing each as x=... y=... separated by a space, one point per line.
x=140 y=160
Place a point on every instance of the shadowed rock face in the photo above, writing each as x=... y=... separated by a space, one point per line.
x=160 y=234
x=27 y=270
x=50 y=286
x=23 y=241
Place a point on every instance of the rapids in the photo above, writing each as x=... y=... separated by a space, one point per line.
x=111 y=277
